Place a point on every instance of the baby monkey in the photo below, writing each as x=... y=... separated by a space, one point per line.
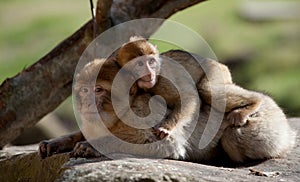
x=207 y=75
x=179 y=92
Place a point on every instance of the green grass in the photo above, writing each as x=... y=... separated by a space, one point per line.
x=31 y=28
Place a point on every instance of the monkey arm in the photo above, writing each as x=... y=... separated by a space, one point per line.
x=182 y=112
x=185 y=106
x=59 y=145
x=240 y=103
x=217 y=89
x=234 y=96
x=268 y=128
x=114 y=148
x=237 y=98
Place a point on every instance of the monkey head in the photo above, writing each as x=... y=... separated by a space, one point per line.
x=94 y=98
x=144 y=61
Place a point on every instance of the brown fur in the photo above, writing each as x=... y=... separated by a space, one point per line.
x=140 y=47
x=248 y=111
x=207 y=74
x=266 y=134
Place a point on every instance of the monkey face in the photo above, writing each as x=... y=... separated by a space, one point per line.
x=143 y=60
x=92 y=99
x=93 y=91
x=145 y=69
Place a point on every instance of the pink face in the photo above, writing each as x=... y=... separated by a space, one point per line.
x=146 y=69
x=89 y=100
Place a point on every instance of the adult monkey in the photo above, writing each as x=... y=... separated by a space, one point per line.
x=267 y=128
x=94 y=99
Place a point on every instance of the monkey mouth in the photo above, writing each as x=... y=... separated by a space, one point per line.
x=148 y=80
x=146 y=84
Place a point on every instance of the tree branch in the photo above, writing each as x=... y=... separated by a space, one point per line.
x=38 y=90
x=102 y=14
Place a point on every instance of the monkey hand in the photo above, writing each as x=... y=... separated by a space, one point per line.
x=237 y=117
x=48 y=148
x=85 y=150
x=45 y=150
x=160 y=132
x=240 y=117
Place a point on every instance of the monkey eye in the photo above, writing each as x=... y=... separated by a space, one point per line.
x=151 y=61
x=84 y=89
x=140 y=63
x=98 y=89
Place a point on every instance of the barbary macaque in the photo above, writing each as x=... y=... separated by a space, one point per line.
x=215 y=86
x=179 y=93
x=207 y=74
x=93 y=101
x=255 y=126
x=263 y=134
x=266 y=134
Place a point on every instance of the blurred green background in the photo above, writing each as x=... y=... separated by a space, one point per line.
x=263 y=53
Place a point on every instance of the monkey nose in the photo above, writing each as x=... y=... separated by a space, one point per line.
x=147 y=78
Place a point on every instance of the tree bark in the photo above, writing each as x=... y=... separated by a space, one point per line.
x=39 y=89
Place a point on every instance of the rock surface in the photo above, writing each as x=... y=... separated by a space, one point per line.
x=23 y=164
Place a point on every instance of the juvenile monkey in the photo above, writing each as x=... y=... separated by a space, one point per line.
x=265 y=135
x=207 y=74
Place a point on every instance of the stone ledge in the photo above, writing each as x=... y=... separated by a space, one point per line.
x=23 y=164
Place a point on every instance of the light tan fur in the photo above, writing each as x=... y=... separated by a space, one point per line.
x=266 y=133
x=256 y=127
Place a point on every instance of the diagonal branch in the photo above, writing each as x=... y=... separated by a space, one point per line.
x=102 y=14
x=38 y=90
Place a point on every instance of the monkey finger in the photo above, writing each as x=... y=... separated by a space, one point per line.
x=238 y=117
x=52 y=149
x=155 y=131
x=76 y=153
x=76 y=150
x=163 y=135
x=161 y=132
x=85 y=150
x=42 y=150
x=73 y=154
x=91 y=153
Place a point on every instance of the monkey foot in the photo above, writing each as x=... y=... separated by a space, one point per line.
x=238 y=117
x=85 y=150
x=160 y=132
x=48 y=148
